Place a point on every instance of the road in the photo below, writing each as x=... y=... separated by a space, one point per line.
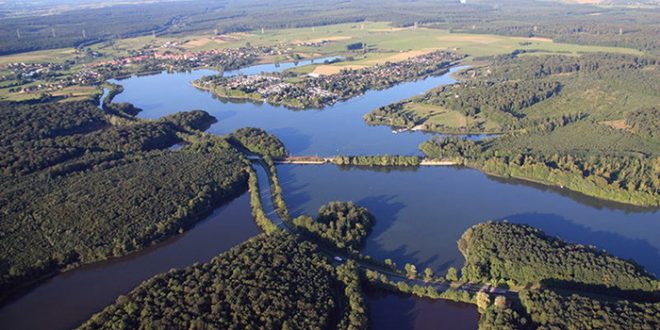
x=316 y=160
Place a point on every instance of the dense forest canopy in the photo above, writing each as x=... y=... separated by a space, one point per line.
x=54 y=134
x=502 y=251
x=259 y=141
x=344 y=224
x=645 y=122
x=80 y=185
x=269 y=282
x=27 y=123
x=554 y=310
x=590 y=289
x=195 y=119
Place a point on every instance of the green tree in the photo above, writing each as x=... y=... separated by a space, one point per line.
x=452 y=274
x=411 y=270
x=428 y=274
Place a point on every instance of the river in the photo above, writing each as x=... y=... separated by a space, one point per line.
x=420 y=212
x=70 y=298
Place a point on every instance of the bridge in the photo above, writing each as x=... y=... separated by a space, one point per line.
x=364 y=264
x=317 y=160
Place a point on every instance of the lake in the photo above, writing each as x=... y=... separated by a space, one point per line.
x=337 y=129
x=420 y=213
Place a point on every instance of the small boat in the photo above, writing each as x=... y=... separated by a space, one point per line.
x=399 y=130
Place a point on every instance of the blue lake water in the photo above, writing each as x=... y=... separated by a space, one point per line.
x=338 y=129
x=420 y=212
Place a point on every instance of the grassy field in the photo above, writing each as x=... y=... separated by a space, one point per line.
x=52 y=55
x=451 y=120
x=606 y=98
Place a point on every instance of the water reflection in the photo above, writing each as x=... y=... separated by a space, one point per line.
x=639 y=250
x=394 y=311
x=421 y=214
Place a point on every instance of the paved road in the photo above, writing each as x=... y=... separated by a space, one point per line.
x=315 y=160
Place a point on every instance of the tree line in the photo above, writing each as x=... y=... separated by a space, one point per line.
x=381 y=160
x=550 y=309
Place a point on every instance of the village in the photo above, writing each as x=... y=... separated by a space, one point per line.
x=29 y=78
x=317 y=91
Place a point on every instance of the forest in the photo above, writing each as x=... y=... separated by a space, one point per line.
x=343 y=224
x=516 y=67
x=601 y=166
x=603 y=146
x=258 y=141
x=645 y=122
x=620 y=28
x=58 y=135
x=521 y=258
x=503 y=102
x=519 y=254
x=500 y=316
x=510 y=97
x=272 y=281
x=514 y=93
x=356 y=315
x=80 y=186
x=21 y=34
x=550 y=309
